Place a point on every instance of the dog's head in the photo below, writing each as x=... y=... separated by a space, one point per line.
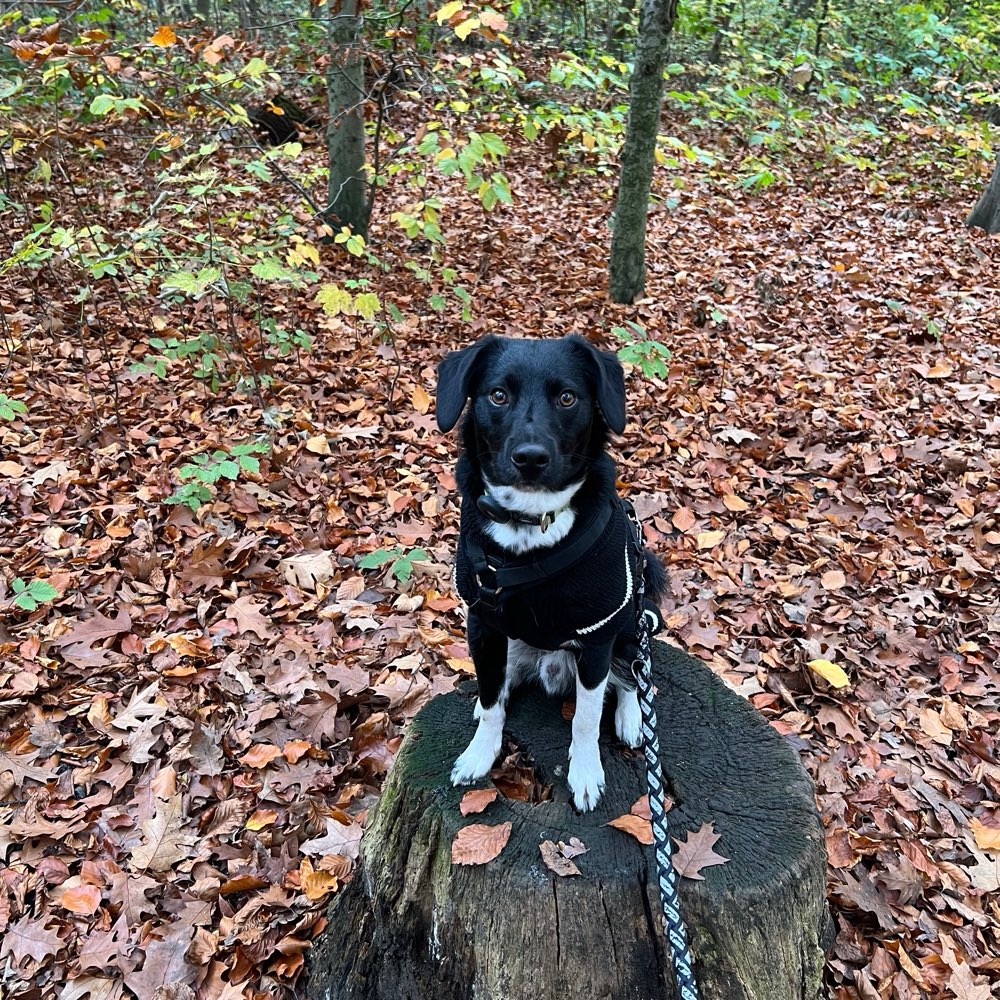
x=540 y=409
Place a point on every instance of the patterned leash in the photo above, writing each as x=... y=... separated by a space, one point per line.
x=676 y=932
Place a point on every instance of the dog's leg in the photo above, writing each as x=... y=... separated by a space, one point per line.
x=586 y=773
x=489 y=653
x=628 y=718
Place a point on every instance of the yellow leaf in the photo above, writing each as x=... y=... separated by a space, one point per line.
x=709 y=539
x=318 y=445
x=421 y=399
x=987 y=837
x=734 y=503
x=444 y=13
x=467 y=27
x=261 y=818
x=830 y=672
x=164 y=36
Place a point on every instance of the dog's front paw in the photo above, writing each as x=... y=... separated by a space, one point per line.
x=628 y=719
x=586 y=780
x=474 y=764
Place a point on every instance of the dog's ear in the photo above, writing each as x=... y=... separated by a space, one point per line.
x=455 y=374
x=610 y=381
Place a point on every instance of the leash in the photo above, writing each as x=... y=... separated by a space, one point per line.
x=676 y=932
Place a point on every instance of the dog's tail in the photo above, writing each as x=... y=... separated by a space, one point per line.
x=655 y=577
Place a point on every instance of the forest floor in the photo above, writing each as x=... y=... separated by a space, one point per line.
x=194 y=730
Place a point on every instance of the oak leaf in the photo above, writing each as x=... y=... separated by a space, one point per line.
x=340 y=838
x=165 y=842
x=30 y=938
x=696 y=852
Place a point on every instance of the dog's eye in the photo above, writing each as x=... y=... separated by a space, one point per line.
x=498 y=397
x=567 y=398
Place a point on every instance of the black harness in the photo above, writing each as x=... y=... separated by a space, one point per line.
x=497 y=574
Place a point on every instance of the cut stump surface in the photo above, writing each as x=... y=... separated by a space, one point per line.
x=413 y=926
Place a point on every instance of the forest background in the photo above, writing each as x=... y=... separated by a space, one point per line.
x=227 y=515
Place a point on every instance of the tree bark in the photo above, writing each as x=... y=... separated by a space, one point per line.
x=627 y=274
x=986 y=214
x=413 y=926
x=347 y=199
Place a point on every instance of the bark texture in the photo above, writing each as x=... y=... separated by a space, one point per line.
x=411 y=926
x=986 y=214
x=347 y=201
x=627 y=272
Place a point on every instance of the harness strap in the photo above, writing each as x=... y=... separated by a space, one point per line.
x=492 y=579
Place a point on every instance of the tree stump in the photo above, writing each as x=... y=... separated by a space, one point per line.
x=412 y=926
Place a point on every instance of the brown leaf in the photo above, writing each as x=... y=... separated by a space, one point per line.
x=683 y=519
x=247 y=614
x=987 y=837
x=340 y=838
x=29 y=938
x=476 y=800
x=696 y=852
x=260 y=755
x=641 y=829
x=555 y=860
x=965 y=987
x=82 y=899
x=479 y=843
x=165 y=842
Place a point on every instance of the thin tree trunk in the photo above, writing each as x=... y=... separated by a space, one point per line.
x=627 y=277
x=347 y=201
x=986 y=214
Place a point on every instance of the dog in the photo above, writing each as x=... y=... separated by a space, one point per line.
x=548 y=557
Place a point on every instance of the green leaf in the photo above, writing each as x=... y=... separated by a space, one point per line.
x=101 y=105
x=379 y=558
x=30 y=595
x=9 y=408
x=271 y=269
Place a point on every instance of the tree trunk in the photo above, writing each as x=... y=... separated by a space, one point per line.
x=413 y=926
x=986 y=214
x=347 y=199
x=627 y=277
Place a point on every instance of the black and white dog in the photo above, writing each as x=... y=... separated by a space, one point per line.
x=547 y=557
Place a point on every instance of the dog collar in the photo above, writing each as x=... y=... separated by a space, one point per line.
x=496 y=512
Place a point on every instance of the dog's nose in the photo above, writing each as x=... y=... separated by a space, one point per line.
x=530 y=457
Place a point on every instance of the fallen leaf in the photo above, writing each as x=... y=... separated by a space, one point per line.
x=709 y=539
x=696 y=852
x=479 y=843
x=684 y=519
x=641 y=829
x=987 y=837
x=556 y=859
x=476 y=800
x=833 y=579
x=830 y=672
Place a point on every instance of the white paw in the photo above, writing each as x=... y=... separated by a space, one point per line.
x=480 y=754
x=585 y=778
x=474 y=764
x=628 y=718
